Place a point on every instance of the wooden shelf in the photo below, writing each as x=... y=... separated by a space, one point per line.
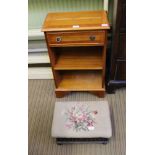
x=85 y=60
x=77 y=45
x=81 y=81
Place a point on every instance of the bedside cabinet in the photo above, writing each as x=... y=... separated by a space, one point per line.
x=76 y=43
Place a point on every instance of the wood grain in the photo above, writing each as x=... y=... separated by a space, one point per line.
x=81 y=81
x=52 y=57
x=82 y=58
x=87 y=20
x=77 y=38
x=77 y=44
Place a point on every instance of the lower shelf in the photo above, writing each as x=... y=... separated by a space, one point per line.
x=81 y=81
x=79 y=58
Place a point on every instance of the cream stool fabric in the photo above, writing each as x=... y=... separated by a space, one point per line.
x=89 y=119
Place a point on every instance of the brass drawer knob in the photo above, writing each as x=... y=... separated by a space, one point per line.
x=58 y=39
x=92 y=38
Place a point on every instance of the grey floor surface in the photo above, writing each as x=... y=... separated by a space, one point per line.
x=41 y=103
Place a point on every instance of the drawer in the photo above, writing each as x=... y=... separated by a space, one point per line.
x=76 y=38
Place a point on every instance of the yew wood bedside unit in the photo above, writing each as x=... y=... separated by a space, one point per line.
x=76 y=43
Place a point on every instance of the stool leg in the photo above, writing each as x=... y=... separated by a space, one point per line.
x=58 y=141
x=105 y=141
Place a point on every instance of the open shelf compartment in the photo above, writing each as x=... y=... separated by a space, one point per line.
x=79 y=58
x=80 y=81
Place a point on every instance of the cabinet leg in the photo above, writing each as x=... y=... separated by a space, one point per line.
x=98 y=93
x=60 y=94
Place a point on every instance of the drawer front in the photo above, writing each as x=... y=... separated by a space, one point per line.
x=85 y=37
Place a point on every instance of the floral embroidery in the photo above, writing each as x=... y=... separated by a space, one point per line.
x=79 y=118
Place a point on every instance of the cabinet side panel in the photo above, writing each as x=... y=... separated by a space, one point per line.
x=52 y=57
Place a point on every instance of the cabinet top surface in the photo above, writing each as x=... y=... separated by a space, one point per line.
x=83 y=20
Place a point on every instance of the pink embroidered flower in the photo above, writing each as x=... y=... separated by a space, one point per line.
x=69 y=125
x=95 y=112
x=80 y=118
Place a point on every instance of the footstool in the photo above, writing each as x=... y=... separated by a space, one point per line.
x=81 y=122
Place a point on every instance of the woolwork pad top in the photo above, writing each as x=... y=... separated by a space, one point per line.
x=86 y=119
